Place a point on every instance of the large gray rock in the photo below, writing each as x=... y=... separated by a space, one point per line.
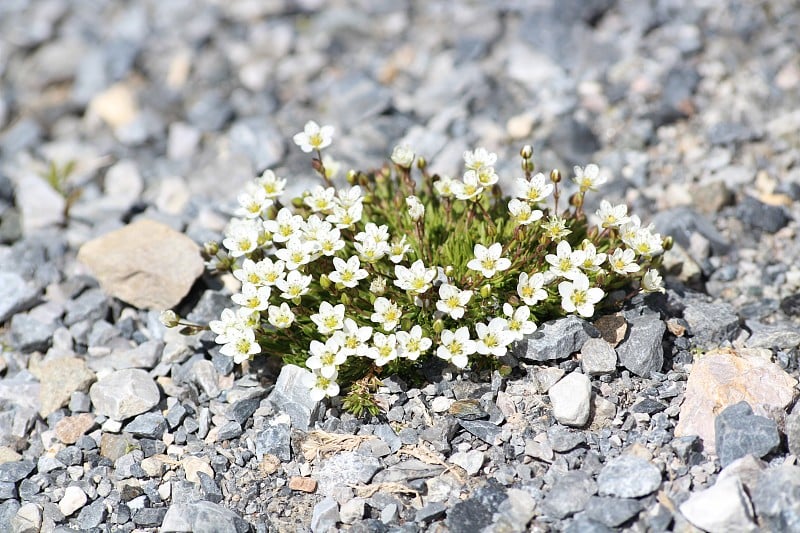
x=739 y=432
x=598 y=357
x=291 y=396
x=628 y=476
x=15 y=295
x=776 y=498
x=569 y=494
x=345 y=468
x=711 y=324
x=641 y=352
x=29 y=334
x=125 y=393
x=202 y=517
x=722 y=508
x=557 y=339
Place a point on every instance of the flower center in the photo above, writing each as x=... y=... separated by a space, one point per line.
x=488 y=263
x=579 y=298
x=330 y=322
x=490 y=341
x=243 y=346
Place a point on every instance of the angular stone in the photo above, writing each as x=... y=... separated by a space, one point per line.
x=711 y=324
x=27 y=520
x=149 y=425
x=92 y=515
x=628 y=476
x=724 y=377
x=756 y=214
x=91 y=305
x=40 y=204
x=28 y=334
x=146 y=355
x=571 y=399
x=612 y=512
x=146 y=264
x=721 y=508
x=641 y=352
x=291 y=396
x=125 y=393
x=557 y=339
x=478 y=511
x=15 y=295
x=274 y=440
x=486 y=431
x=202 y=517
x=13 y=472
x=229 y=430
x=59 y=378
x=739 y=433
x=70 y=428
x=598 y=357
x=74 y=498
x=302 y=484
x=193 y=465
x=345 y=468
x=470 y=461
x=115 y=446
x=776 y=498
x=612 y=328
x=569 y=494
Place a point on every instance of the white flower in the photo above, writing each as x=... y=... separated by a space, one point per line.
x=241 y=345
x=249 y=273
x=349 y=197
x=576 y=296
x=371 y=250
x=271 y=272
x=479 y=158
x=331 y=166
x=403 y=156
x=456 y=347
x=646 y=243
x=591 y=259
x=298 y=253
x=273 y=186
x=286 y=226
x=347 y=273
x=253 y=297
x=493 y=338
x=522 y=213
x=329 y=318
x=320 y=199
x=346 y=217
x=294 y=285
x=353 y=338
x=652 y=282
x=519 y=323
x=412 y=343
x=384 y=348
x=241 y=237
x=555 y=228
x=452 y=300
x=566 y=261
x=387 y=313
x=313 y=227
x=530 y=288
x=398 y=249
x=486 y=176
x=536 y=189
x=468 y=189
x=378 y=285
x=320 y=386
x=232 y=322
x=314 y=137
x=280 y=317
x=612 y=216
x=373 y=232
x=623 y=261
x=415 y=208
x=488 y=260
x=588 y=178
x=325 y=357
x=444 y=186
x=253 y=202
x=416 y=279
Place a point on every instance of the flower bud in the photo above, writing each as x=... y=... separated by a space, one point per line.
x=528 y=165
x=345 y=299
x=169 y=318
x=297 y=202
x=210 y=248
x=526 y=152
x=575 y=200
x=325 y=282
x=486 y=291
x=352 y=177
x=378 y=286
x=448 y=271
x=438 y=326
x=316 y=164
x=555 y=175
x=406 y=324
x=403 y=156
x=422 y=163
x=667 y=243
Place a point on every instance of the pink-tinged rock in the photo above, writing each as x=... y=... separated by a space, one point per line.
x=146 y=264
x=59 y=378
x=724 y=377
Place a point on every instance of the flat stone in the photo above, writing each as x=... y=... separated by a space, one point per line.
x=202 y=517
x=598 y=357
x=15 y=471
x=571 y=399
x=146 y=355
x=302 y=484
x=723 y=377
x=563 y=439
x=74 y=498
x=325 y=516
x=115 y=446
x=721 y=508
x=681 y=223
x=146 y=264
x=27 y=520
x=59 y=378
x=193 y=465
x=15 y=295
x=28 y=334
x=471 y=461
x=274 y=440
x=776 y=498
x=739 y=433
x=569 y=494
x=641 y=352
x=628 y=476
x=556 y=339
x=612 y=512
x=148 y=425
x=756 y=214
x=229 y=430
x=291 y=396
x=486 y=431
x=353 y=510
x=70 y=428
x=206 y=377
x=149 y=516
x=345 y=468
x=476 y=512
x=40 y=205
x=92 y=515
x=91 y=305
x=711 y=324
x=125 y=393
x=514 y=514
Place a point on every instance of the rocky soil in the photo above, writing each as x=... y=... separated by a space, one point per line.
x=676 y=414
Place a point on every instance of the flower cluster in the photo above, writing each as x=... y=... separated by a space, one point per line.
x=401 y=265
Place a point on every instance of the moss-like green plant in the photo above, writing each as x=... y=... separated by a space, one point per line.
x=402 y=265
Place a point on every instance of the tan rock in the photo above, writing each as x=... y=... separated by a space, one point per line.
x=192 y=465
x=723 y=377
x=116 y=106
x=303 y=484
x=59 y=378
x=7 y=455
x=69 y=429
x=146 y=264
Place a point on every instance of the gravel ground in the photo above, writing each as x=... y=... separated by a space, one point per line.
x=110 y=423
